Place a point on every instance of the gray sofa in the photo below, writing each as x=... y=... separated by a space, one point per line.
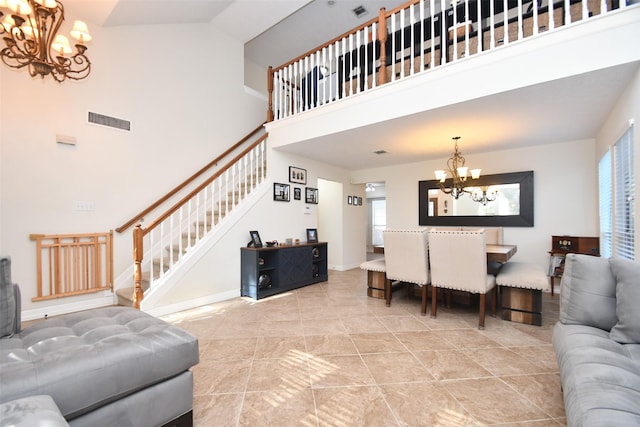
x=597 y=341
x=113 y=366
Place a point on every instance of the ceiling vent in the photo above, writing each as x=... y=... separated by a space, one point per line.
x=380 y=152
x=359 y=11
x=112 y=122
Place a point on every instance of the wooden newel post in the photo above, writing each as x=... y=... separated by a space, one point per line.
x=270 y=92
x=138 y=252
x=382 y=37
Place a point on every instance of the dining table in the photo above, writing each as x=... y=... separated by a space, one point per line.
x=500 y=253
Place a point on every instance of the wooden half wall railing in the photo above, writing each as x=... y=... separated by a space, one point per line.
x=414 y=38
x=184 y=223
x=73 y=264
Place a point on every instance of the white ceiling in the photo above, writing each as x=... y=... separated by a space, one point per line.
x=276 y=31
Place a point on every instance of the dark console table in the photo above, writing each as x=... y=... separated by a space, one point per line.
x=272 y=270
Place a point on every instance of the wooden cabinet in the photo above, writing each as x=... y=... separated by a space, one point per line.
x=563 y=245
x=269 y=271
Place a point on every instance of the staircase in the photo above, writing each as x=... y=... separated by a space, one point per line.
x=181 y=229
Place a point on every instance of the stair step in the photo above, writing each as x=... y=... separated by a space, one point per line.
x=125 y=295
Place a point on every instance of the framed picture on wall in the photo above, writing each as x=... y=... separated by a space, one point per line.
x=280 y=192
x=349 y=200
x=297 y=193
x=311 y=195
x=297 y=175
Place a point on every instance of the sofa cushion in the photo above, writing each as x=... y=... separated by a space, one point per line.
x=600 y=377
x=627 y=273
x=588 y=293
x=87 y=359
x=7 y=299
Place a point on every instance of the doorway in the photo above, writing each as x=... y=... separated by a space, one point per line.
x=376 y=218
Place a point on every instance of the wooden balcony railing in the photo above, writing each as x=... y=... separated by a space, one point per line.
x=73 y=264
x=160 y=245
x=414 y=38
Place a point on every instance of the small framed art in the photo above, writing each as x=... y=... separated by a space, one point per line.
x=312 y=235
x=349 y=200
x=297 y=175
x=311 y=195
x=280 y=192
x=255 y=239
x=297 y=193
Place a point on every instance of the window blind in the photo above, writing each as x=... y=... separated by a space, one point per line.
x=616 y=181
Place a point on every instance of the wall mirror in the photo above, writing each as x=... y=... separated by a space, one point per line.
x=512 y=207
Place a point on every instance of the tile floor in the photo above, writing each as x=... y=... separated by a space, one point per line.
x=328 y=355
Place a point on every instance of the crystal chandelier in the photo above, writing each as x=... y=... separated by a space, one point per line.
x=458 y=171
x=30 y=32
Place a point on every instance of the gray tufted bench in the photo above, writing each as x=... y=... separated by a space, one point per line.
x=109 y=366
x=31 y=411
x=521 y=285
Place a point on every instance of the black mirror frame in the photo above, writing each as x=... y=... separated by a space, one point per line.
x=525 y=219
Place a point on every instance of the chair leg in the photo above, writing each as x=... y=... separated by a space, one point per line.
x=423 y=309
x=434 y=301
x=494 y=301
x=387 y=291
x=483 y=302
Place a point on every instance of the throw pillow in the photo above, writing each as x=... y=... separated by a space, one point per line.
x=7 y=299
x=627 y=273
x=588 y=292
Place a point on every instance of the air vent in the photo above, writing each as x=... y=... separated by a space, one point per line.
x=359 y=11
x=101 y=119
x=380 y=152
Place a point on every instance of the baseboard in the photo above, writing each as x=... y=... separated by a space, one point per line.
x=57 y=310
x=193 y=303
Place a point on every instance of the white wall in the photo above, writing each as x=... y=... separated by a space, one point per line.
x=565 y=191
x=181 y=86
x=626 y=109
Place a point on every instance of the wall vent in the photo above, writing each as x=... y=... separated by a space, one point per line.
x=101 y=119
x=359 y=11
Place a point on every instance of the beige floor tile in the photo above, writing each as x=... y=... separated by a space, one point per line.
x=280 y=408
x=352 y=406
x=356 y=325
x=544 y=390
x=323 y=327
x=490 y=401
x=218 y=409
x=334 y=371
x=330 y=345
x=215 y=376
x=229 y=349
x=450 y=364
x=278 y=346
x=502 y=361
x=388 y=368
x=377 y=343
x=466 y=338
x=424 y=340
x=288 y=374
x=404 y=323
x=425 y=404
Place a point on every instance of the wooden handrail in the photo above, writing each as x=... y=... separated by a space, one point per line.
x=199 y=188
x=188 y=181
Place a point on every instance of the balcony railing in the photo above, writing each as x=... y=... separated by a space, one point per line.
x=415 y=38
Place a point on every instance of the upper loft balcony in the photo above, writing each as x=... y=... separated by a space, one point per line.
x=429 y=55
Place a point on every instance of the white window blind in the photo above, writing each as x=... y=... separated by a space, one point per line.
x=617 y=199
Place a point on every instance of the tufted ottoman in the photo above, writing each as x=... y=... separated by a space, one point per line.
x=110 y=366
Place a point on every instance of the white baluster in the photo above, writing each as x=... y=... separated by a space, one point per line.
x=479 y=31
x=393 y=49
x=467 y=23
x=492 y=25
x=505 y=19
x=567 y=12
x=520 y=29
x=444 y=35
x=551 y=18
x=432 y=8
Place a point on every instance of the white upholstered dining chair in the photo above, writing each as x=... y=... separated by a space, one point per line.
x=458 y=261
x=407 y=260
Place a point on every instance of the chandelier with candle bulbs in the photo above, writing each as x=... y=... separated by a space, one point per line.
x=30 y=33
x=458 y=172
